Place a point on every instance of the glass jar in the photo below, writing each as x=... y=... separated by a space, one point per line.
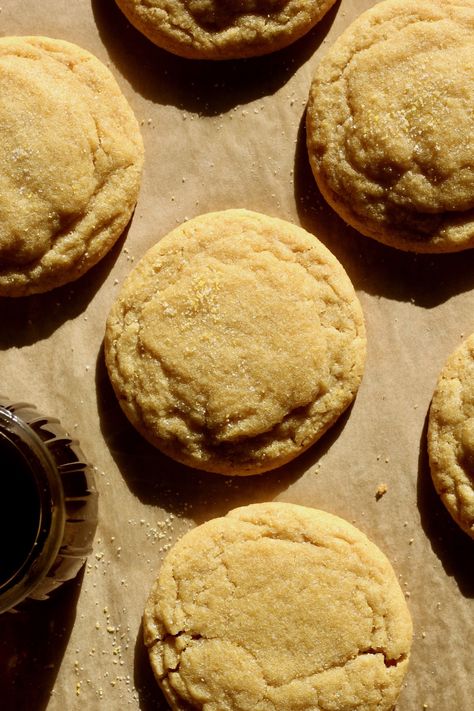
x=49 y=505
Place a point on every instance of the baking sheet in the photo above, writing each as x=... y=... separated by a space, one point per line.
x=217 y=136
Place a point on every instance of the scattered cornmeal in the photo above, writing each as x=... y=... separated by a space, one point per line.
x=236 y=342
x=451 y=435
x=217 y=29
x=71 y=157
x=277 y=606
x=390 y=126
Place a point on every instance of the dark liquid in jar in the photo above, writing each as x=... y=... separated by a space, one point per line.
x=20 y=517
x=48 y=511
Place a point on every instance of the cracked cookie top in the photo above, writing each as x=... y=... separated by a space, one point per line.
x=390 y=124
x=70 y=163
x=235 y=342
x=451 y=435
x=223 y=29
x=276 y=607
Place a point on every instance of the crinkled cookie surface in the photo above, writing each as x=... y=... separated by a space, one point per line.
x=390 y=124
x=277 y=607
x=235 y=342
x=451 y=435
x=223 y=29
x=71 y=156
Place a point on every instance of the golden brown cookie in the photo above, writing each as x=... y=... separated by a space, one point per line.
x=451 y=435
x=71 y=156
x=390 y=126
x=277 y=607
x=235 y=342
x=223 y=29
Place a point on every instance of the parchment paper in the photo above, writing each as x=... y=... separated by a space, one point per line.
x=217 y=136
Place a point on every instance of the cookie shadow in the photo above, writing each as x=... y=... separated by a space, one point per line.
x=451 y=545
x=426 y=280
x=29 y=319
x=206 y=87
x=149 y=693
x=33 y=640
x=160 y=481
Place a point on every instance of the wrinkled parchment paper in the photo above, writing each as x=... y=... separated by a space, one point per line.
x=218 y=136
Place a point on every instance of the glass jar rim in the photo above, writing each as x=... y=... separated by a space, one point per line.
x=51 y=501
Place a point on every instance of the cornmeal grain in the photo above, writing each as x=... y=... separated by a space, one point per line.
x=223 y=29
x=235 y=342
x=277 y=607
x=71 y=156
x=390 y=125
x=451 y=435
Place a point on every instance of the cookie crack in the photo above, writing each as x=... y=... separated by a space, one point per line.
x=193 y=636
x=387 y=660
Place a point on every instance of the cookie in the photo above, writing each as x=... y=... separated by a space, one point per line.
x=71 y=156
x=451 y=435
x=235 y=342
x=277 y=607
x=390 y=126
x=223 y=29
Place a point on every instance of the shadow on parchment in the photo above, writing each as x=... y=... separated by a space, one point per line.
x=453 y=547
x=149 y=693
x=158 y=480
x=33 y=640
x=426 y=280
x=202 y=86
